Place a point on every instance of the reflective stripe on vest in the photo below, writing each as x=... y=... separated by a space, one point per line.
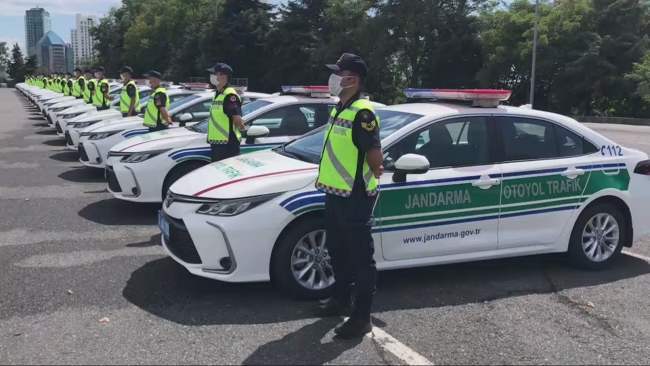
x=98 y=99
x=338 y=165
x=219 y=123
x=151 y=112
x=125 y=100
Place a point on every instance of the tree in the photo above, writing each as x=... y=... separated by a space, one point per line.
x=4 y=58
x=31 y=66
x=17 y=65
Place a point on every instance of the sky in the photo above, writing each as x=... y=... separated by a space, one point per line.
x=62 y=15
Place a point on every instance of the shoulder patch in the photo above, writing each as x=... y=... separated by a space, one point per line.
x=369 y=126
x=233 y=98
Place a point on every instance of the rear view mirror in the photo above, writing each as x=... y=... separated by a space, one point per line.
x=256 y=132
x=185 y=117
x=410 y=164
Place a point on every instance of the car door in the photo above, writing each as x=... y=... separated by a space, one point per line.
x=294 y=120
x=544 y=177
x=453 y=208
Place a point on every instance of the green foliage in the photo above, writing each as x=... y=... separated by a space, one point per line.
x=591 y=54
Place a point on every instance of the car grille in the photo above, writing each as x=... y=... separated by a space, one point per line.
x=58 y=128
x=49 y=119
x=82 y=153
x=68 y=139
x=180 y=242
x=113 y=183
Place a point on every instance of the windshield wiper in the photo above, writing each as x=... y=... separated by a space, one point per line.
x=192 y=128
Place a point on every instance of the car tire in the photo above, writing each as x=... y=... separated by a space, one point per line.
x=281 y=261
x=178 y=172
x=578 y=252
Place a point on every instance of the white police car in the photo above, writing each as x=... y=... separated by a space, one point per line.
x=141 y=169
x=115 y=122
x=462 y=182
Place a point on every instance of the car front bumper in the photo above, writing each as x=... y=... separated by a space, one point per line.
x=139 y=182
x=201 y=242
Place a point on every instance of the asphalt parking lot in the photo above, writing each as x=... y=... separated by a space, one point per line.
x=83 y=279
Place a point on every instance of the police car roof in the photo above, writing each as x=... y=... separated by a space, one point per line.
x=299 y=98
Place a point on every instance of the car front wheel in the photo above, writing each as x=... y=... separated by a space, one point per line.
x=597 y=238
x=301 y=263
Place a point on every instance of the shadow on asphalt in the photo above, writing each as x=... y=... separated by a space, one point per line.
x=83 y=175
x=166 y=289
x=117 y=212
x=47 y=132
x=303 y=347
x=55 y=142
x=36 y=118
x=154 y=241
x=43 y=124
x=66 y=156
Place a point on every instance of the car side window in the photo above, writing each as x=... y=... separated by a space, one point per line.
x=199 y=111
x=452 y=143
x=292 y=120
x=527 y=139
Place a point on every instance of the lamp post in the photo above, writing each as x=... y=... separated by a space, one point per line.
x=532 y=71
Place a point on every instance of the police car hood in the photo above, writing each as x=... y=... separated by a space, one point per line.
x=68 y=103
x=52 y=96
x=117 y=124
x=87 y=108
x=167 y=139
x=254 y=174
x=58 y=99
x=107 y=115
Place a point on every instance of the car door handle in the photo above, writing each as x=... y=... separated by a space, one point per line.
x=573 y=172
x=486 y=183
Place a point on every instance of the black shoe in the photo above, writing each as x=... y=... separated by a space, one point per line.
x=333 y=308
x=353 y=328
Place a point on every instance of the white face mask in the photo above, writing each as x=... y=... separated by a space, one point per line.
x=122 y=77
x=213 y=80
x=335 y=85
x=148 y=83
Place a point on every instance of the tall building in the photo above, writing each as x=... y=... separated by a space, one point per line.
x=52 y=53
x=82 y=41
x=37 y=23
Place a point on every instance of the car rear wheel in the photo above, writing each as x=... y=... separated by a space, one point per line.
x=301 y=263
x=597 y=238
x=178 y=172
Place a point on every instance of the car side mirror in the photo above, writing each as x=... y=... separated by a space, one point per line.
x=256 y=132
x=410 y=164
x=185 y=117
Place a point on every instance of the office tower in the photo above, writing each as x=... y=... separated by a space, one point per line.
x=81 y=39
x=37 y=23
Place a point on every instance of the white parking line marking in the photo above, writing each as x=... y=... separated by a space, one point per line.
x=397 y=348
x=643 y=257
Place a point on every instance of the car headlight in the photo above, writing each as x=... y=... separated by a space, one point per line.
x=234 y=207
x=82 y=124
x=71 y=116
x=142 y=156
x=99 y=135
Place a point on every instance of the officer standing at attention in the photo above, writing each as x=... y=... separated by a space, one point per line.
x=102 y=98
x=155 y=114
x=77 y=91
x=129 y=96
x=225 y=120
x=70 y=83
x=84 y=84
x=91 y=85
x=348 y=172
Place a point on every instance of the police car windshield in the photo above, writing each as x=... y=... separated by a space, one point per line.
x=309 y=147
x=247 y=108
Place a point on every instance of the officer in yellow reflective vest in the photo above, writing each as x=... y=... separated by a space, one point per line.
x=129 y=96
x=69 y=84
x=76 y=88
x=91 y=85
x=85 y=85
x=225 y=122
x=348 y=172
x=102 y=98
x=155 y=113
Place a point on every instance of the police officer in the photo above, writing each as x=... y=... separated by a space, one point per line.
x=90 y=86
x=84 y=85
x=347 y=174
x=69 y=83
x=77 y=81
x=225 y=121
x=102 y=98
x=156 y=117
x=129 y=96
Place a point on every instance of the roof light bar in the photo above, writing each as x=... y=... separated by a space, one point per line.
x=479 y=97
x=311 y=90
x=195 y=86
